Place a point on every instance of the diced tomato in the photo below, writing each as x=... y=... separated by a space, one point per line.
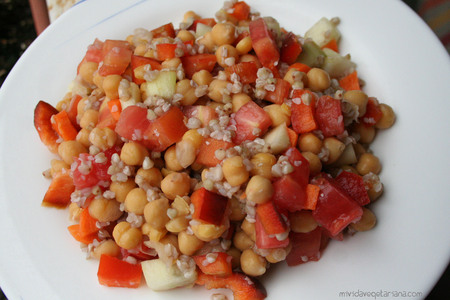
x=137 y=61
x=329 y=116
x=118 y=273
x=300 y=164
x=166 y=130
x=133 y=123
x=209 y=207
x=42 y=122
x=353 y=184
x=247 y=71
x=106 y=119
x=59 y=191
x=221 y=266
x=165 y=51
x=264 y=241
x=251 y=122
x=289 y=194
x=302 y=115
x=242 y=286
x=305 y=247
x=195 y=63
x=166 y=30
x=281 y=92
x=202 y=112
x=264 y=44
x=94 y=52
x=300 y=67
x=116 y=57
x=335 y=210
x=206 y=153
x=241 y=10
x=206 y=21
x=270 y=218
x=373 y=113
x=290 y=49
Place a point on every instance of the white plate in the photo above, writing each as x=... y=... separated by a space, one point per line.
x=403 y=64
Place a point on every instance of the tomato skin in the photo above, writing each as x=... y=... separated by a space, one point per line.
x=94 y=52
x=133 y=123
x=248 y=118
x=329 y=116
x=373 y=113
x=335 y=210
x=195 y=63
x=305 y=247
x=289 y=194
x=264 y=43
x=247 y=71
x=353 y=185
x=281 y=92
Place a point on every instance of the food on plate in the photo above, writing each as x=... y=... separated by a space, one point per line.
x=201 y=155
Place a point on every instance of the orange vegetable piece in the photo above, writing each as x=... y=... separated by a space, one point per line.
x=303 y=115
x=350 y=82
x=220 y=265
x=270 y=218
x=42 y=122
x=63 y=126
x=312 y=194
x=115 y=107
x=333 y=45
x=165 y=51
x=59 y=191
x=300 y=67
x=77 y=235
x=88 y=224
x=206 y=154
x=293 y=137
x=166 y=30
x=241 y=10
x=118 y=273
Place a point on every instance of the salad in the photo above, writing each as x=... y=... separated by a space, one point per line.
x=201 y=155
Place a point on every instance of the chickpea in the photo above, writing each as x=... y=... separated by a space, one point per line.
x=236 y=257
x=189 y=243
x=335 y=148
x=244 y=46
x=238 y=100
x=318 y=79
x=103 y=138
x=155 y=213
x=223 y=33
x=185 y=35
x=237 y=210
x=181 y=205
x=302 y=221
x=83 y=137
x=68 y=150
x=208 y=232
x=388 y=117
x=185 y=153
x=111 y=86
x=133 y=153
x=368 y=163
x=152 y=176
x=126 y=236
x=155 y=235
x=262 y=164
x=315 y=165
x=359 y=150
x=278 y=114
x=87 y=70
x=296 y=78
x=250 y=58
x=349 y=169
x=309 y=142
x=184 y=88
x=277 y=255
x=170 y=157
x=252 y=264
x=105 y=210
x=207 y=41
x=170 y=239
x=108 y=247
x=81 y=108
x=57 y=166
x=226 y=55
x=242 y=241
x=202 y=77
x=74 y=212
x=190 y=16
x=217 y=91
x=249 y=229
x=136 y=201
x=171 y=64
x=98 y=80
x=193 y=137
x=176 y=184
x=367 y=221
x=259 y=189
x=366 y=133
x=89 y=119
x=121 y=189
x=357 y=98
x=177 y=224
x=235 y=171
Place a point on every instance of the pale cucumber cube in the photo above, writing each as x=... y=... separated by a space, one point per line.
x=160 y=277
x=323 y=32
x=337 y=65
x=162 y=86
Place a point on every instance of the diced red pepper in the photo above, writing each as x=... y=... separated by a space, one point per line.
x=354 y=185
x=270 y=218
x=300 y=164
x=305 y=247
x=166 y=30
x=289 y=194
x=206 y=153
x=88 y=224
x=42 y=122
x=241 y=10
x=290 y=49
x=335 y=210
x=72 y=110
x=350 y=82
x=59 y=191
x=264 y=43
x=300 y=67
x=333 y=45
x=281 y=92
x=75 y=231
x=137 y=61
x=329 y=116
x=133 y=123
x=264 y=241
x=247 y=71
x=106 y=119
x=195 y=63
x=251 y=122
x=220 y=266
x=118 y=273
x=62 y=125
x=208 y=206
x=302 y=115
x=165 y=51
x=373 y=113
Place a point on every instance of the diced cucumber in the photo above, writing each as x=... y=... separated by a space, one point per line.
x=163 y=85
x=278 y=139
x=337 y=65
x=159 y=277
x=348 y=157
x=323 y=32
x=311 y=54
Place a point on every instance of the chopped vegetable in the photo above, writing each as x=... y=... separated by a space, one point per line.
x=118 y=273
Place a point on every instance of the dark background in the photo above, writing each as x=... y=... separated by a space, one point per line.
x=16 y=34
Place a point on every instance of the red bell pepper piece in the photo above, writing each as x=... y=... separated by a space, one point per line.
x=264 y=241
x=329 y=116
x=206 y=21
x=281 y=92
x=290 y=49
x=300 y=67
x=76 y=233
x=373 y=113
x=353 y=184
x=94 y=52
x=165 y=51
x=264 y=43
x=220 y=266
x=251 y=122
x=62 y=125
x=333 y=45
x=208 y=206
x=137 y=61
x=206 y=153
x=350 y=82
x=195 y=63
x=302 y=115
x=305 y=247
x=166 y=30
x=59 y=191
x=247 y=71
x=106 y=119
x=72 y=110
x=42 y=122
x=116 y=57
x=270 y=218
x=241 y=10
x=118 y=273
